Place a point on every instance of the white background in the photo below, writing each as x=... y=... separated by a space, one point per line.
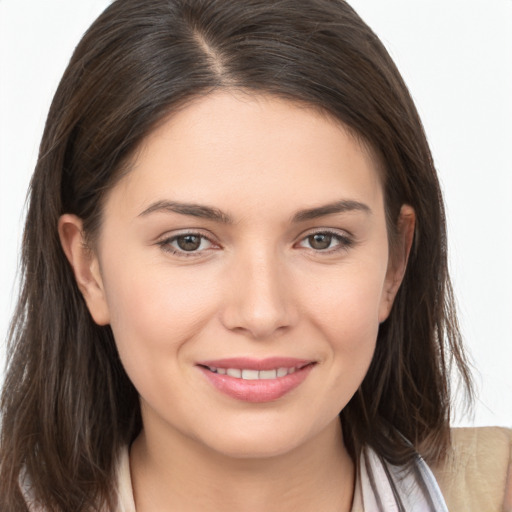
x=455 y=55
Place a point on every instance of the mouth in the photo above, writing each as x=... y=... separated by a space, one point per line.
x=256 y=381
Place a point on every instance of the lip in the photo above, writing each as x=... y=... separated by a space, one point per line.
x=257 y=391
x=269 y=363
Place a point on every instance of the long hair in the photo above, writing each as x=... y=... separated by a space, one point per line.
x=67 y=404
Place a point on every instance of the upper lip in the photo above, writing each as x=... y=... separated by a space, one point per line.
x=248 y=363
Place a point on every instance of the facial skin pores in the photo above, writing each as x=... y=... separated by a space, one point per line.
x=243 y=265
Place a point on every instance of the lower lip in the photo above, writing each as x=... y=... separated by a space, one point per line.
x=257 y=391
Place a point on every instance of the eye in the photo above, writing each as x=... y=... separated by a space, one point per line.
x=326 y=241
x=320 y=241
x=186 y=244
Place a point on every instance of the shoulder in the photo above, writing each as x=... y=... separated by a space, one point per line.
x=477 y=473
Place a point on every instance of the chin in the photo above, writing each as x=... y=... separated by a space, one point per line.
x=252 y=449
x=265 y=440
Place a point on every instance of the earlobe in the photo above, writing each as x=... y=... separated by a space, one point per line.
x=399 y=256
x=85 y=267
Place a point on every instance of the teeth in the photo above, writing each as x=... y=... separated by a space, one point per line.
x=250 y=374
x=281 y=372
x=268 y=374
x=247 y=374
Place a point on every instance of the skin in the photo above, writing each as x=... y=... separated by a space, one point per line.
x=257 y=287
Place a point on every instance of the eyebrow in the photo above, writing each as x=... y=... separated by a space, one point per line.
x=194 y=210
x=215 y=214
x=330 y=209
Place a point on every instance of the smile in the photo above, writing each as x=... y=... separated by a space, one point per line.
x=248 y=374
x=256 y=381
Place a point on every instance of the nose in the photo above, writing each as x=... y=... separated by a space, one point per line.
x=259 y=297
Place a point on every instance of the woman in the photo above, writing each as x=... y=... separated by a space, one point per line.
x=235 y=272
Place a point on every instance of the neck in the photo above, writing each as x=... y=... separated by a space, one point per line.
x=187 y=476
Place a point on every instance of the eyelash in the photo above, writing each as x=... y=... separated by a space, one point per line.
x=344 y=243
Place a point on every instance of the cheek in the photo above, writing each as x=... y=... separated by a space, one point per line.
x=155 y=311
x=352 y=329
x=347 y=313
x=349 y=302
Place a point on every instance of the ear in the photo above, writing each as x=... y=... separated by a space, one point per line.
x=399 y=255
x=85 y=265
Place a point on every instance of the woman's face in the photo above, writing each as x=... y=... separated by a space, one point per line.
x=243 y=266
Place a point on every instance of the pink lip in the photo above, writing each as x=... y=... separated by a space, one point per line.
x=270 y=363
x=257 y=391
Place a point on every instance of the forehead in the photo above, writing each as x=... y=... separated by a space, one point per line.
x=257 y=148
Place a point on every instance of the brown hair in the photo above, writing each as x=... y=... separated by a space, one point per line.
x=67 y=404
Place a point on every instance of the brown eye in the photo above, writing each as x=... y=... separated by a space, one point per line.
x=327 y=242
x=188 y=242
x=320 y=241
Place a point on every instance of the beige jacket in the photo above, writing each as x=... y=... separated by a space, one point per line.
x=477 y=475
